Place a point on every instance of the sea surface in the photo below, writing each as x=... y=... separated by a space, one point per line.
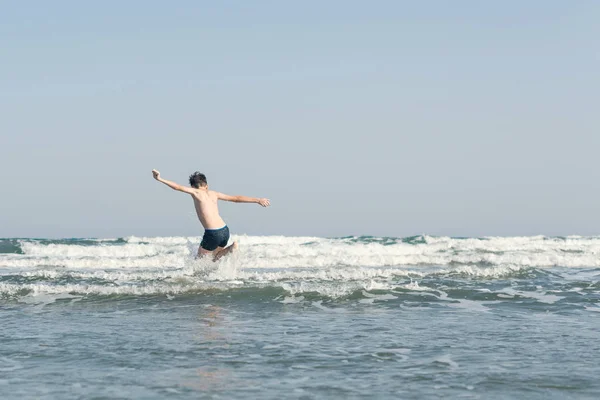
x=301 y=318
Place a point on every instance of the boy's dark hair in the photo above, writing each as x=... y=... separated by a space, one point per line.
x=198 y=179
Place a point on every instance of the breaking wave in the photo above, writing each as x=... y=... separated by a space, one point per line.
x=331 y=267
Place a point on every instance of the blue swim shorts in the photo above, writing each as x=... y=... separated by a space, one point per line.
x=214 y=238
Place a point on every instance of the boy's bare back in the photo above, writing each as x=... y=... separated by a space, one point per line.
x=206 y=204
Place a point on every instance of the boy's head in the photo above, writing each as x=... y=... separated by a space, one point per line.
x=198 y=179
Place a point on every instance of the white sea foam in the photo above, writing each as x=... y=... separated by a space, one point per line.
x=157 y=261
x=139 y=265
x=298 y=252
x=169 y=240
x=102 y=250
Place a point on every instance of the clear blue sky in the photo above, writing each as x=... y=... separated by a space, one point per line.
x=461 y=118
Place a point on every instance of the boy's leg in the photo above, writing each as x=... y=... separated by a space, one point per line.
x=220 y=251
x=203 y=252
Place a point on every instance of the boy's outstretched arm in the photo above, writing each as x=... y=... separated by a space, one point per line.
x=170 y=184
x=244 y=199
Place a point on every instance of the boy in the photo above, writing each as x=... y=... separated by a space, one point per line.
x=216 y=232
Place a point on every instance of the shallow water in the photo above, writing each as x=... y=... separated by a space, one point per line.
x=420 y=317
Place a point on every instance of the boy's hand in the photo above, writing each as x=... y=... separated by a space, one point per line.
x=264 y=202
x=156 y=174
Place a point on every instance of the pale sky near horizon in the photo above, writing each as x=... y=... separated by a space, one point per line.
x=386 y=118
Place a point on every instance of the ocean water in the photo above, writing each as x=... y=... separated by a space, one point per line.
x=301 y=318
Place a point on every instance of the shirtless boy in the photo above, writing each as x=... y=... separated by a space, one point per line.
x=216 y=232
